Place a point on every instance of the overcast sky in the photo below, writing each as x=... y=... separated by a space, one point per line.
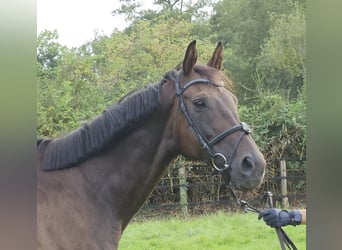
x=76 y=20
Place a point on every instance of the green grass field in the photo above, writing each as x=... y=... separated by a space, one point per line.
x=217 y=231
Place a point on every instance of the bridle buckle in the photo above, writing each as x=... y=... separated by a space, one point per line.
x=245 y=128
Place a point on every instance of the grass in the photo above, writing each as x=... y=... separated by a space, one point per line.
x=217 y=231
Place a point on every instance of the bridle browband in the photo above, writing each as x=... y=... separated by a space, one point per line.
x=208 y=144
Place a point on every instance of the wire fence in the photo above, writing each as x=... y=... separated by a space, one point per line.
x=206 y=193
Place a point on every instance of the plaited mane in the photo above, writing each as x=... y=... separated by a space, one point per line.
x=95 y=136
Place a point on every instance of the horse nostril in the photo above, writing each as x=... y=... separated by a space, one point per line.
x=247 y=165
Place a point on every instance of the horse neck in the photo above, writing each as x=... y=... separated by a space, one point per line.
x=132 y=168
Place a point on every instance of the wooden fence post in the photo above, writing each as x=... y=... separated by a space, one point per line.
x=183 y=199
x=285 y=200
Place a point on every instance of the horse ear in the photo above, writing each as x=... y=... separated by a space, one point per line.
x=190 y=58
x=216 y=60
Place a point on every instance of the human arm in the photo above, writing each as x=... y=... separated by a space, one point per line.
x=279 y=218
x=303 y=213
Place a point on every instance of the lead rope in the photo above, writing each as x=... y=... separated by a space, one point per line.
x=283 y=238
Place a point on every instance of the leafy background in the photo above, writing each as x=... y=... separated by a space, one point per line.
x=264 y=56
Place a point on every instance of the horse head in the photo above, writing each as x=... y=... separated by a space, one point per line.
x=206 y=124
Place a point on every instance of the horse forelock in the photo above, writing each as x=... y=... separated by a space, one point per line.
x=217 y=76
x=94 y=137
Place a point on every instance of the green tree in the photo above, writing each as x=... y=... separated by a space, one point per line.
x=67 y=87
x=48 y=49
x=49 y=53
x=145 y=51
x=243 y=26
x=188 y=9
x=281 y=62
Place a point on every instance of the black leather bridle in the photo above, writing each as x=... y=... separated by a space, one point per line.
x=208 y=144
x=225 y=170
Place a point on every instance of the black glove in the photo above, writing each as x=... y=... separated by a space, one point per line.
x=279 y=218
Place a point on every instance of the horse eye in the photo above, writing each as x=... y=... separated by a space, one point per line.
x=199 y=103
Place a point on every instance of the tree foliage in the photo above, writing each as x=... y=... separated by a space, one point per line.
x=67 y=87
x=281 y=61
x=251 y=28
x=188 y=9
x=82 y=82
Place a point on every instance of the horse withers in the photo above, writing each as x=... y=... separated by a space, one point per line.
x=92 y=181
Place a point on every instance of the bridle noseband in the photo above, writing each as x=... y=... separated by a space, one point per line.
x=208 y=144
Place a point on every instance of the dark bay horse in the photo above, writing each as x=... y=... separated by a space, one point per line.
x=92 y=181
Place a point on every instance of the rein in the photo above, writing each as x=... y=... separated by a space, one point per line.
x=284 y=239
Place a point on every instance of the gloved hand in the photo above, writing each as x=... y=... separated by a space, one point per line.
x=279 y=218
